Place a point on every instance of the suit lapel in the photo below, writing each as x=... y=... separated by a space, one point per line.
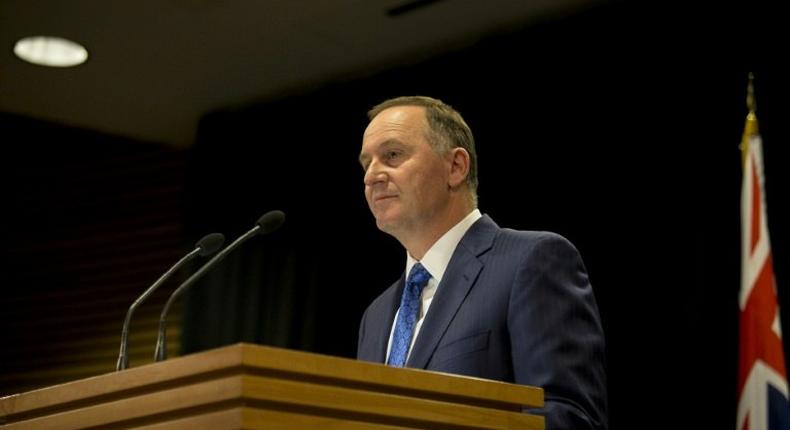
x=381 y=333
x=460 y=276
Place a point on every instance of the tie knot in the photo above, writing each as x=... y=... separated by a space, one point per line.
x=418 y=276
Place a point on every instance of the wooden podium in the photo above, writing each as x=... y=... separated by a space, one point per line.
x=248 y=386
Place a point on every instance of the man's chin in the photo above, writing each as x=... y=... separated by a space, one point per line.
x=387 y=225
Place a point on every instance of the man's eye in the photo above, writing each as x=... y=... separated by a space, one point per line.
x=392 y=155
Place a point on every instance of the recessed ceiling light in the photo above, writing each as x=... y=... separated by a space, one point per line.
x=50 y=51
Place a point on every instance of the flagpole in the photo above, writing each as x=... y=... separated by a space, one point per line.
x=751 y=118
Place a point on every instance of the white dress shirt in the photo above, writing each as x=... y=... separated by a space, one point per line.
x=435 y=261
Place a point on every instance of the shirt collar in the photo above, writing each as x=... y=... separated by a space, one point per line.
x=438 y=256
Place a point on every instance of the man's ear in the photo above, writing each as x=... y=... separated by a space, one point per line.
x=459 y=166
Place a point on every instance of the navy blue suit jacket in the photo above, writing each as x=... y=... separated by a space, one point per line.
x=513 y=306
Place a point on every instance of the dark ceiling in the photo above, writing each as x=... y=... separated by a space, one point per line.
x=157 y=66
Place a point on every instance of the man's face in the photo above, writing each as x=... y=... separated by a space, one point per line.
x=406 y=181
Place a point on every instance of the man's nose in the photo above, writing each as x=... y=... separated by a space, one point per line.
x=374 y=174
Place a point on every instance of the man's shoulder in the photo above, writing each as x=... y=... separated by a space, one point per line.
x=487 y=224
x=486 y=230
x=533 y=235
x=534 y=241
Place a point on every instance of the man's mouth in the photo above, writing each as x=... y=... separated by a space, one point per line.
x=384 y=197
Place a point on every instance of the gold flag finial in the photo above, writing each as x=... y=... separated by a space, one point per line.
x=751 y=119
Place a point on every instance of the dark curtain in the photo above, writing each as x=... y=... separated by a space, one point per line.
x=617 y=128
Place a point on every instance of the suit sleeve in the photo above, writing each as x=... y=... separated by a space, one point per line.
x=556 y=335
x=361 y=338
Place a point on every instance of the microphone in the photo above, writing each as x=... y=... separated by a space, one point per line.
x=269 y=222
x=208 y=245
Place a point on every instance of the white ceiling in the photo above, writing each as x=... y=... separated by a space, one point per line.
x=157 y=66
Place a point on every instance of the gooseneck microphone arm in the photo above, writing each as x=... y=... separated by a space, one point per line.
x=208 y=245
x=269 y=222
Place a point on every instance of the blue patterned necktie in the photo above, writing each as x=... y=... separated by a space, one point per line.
x=407 y=315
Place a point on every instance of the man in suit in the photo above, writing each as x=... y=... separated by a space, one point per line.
x=479 y=300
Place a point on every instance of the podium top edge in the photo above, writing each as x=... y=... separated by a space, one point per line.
x=252 y=359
